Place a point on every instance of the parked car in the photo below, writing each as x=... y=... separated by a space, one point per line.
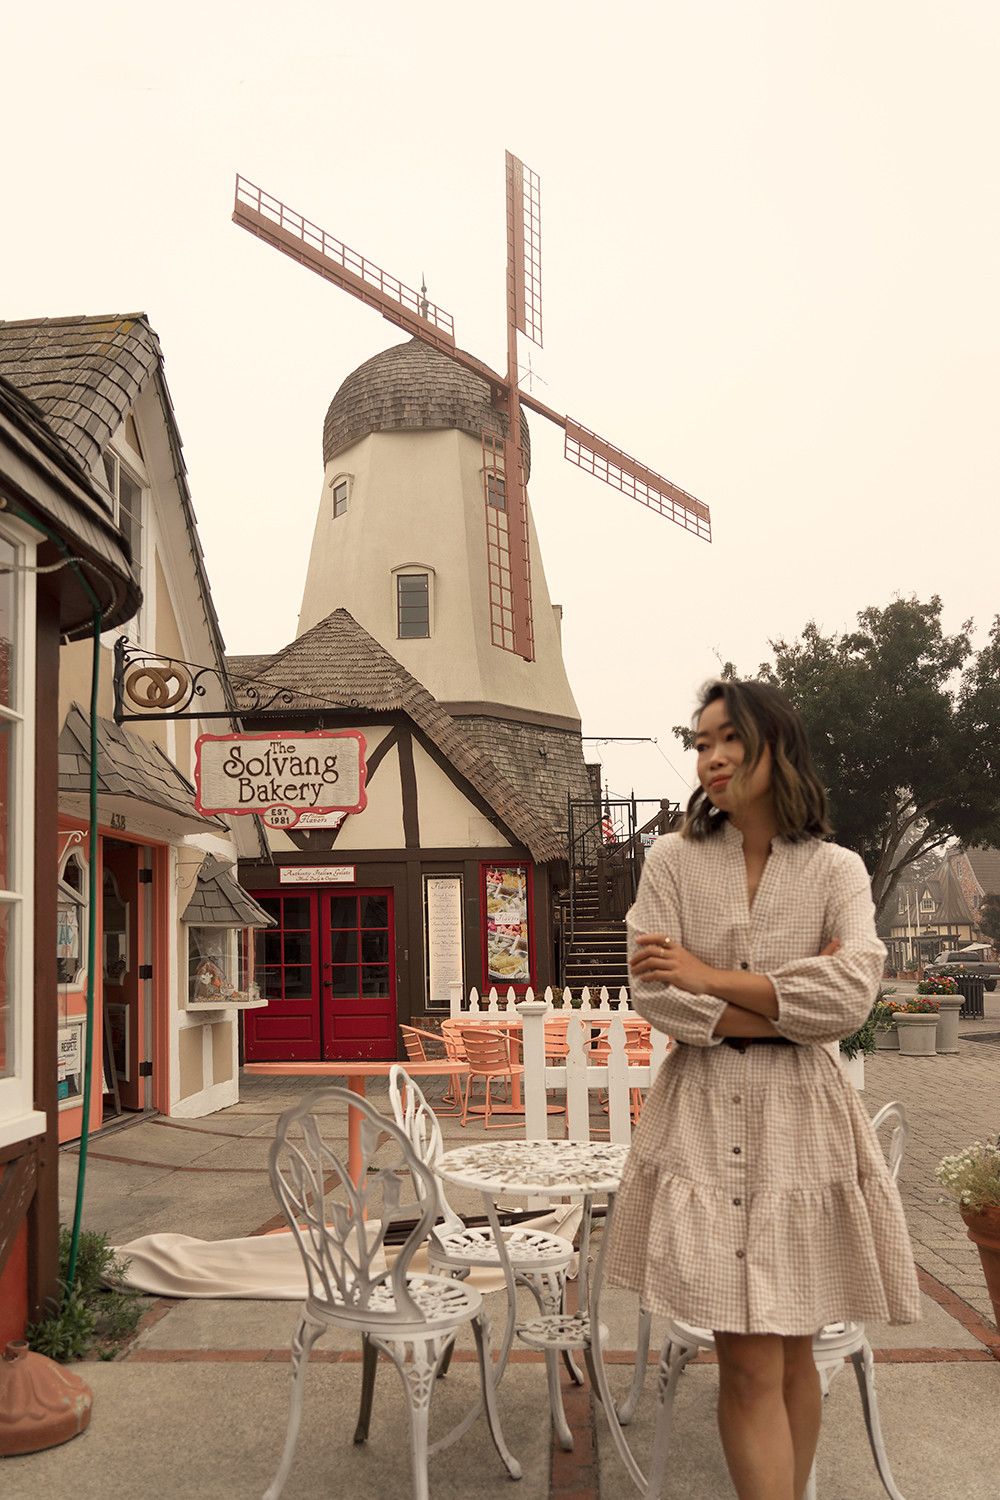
x=971 y=960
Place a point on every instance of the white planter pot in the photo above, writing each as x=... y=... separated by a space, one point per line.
x=917 y=1034
x=854 y=1067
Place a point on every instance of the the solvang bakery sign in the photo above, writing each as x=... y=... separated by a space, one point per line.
x=280 y=776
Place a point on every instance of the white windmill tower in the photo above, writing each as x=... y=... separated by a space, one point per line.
x=424 y=531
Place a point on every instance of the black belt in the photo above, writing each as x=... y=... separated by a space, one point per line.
x=741 y=1043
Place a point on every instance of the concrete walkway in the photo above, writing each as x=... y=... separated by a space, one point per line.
x=196 y=1407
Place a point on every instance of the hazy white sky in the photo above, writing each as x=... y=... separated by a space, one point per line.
x=769 y=233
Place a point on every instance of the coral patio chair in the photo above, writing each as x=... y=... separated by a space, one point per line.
x=488 y=1055
x=413 y=1319
x=413 y=1040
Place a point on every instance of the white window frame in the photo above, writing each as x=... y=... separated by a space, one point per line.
x=18 y=1117
x=128 y=459
x=410 y=570
x=66 y=892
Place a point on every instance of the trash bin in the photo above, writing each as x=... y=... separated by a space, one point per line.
x=971 y=988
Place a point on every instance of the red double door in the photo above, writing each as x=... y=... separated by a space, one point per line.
x=328 y=969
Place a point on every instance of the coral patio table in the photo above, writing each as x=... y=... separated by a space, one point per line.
x=546 y=1169
x=356 y=1071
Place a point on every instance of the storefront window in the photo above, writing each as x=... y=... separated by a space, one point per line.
x=9 y=730
x=72 y=919
x=220 y=967
x=17 y=644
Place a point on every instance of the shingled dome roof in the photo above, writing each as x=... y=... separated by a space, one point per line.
x=412 y=385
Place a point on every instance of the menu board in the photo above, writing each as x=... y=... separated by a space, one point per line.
x=443 y=919
x=508 y=956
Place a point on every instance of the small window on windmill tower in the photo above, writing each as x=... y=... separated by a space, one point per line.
x=413 y=609
x=496 y=490
x=339 y=488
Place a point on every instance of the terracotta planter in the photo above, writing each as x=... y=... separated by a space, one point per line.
x=984 y=1231
x=917 y=1033
x=41 y=1402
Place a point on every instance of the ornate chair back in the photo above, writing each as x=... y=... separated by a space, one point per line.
x=340 y=1227
x=894 y=1116
x=419 y=1123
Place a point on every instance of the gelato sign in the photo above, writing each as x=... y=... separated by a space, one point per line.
x=283 y=777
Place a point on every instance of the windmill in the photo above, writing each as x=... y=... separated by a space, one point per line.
x=504 y=468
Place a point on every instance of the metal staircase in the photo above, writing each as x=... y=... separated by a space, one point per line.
x=607 y=849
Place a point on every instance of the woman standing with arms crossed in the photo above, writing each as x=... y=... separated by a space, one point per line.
x=756 y=1200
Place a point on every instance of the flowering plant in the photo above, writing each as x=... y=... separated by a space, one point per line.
x=939 y=985
x=972 y=1177
x=879 y=1019
x=884 y=1009
x=922 y=1005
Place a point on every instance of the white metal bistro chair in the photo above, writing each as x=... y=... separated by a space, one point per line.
x=411 y=1318
x=831 y=1346
x=540 y=1260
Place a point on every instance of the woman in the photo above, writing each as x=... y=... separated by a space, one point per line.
x=756 y=1199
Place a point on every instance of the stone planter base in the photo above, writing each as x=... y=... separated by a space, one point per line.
x=947 y=1032
x=917 y=1034
x=887 y=1041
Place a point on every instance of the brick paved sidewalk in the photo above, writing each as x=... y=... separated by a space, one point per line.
x=226 y=1362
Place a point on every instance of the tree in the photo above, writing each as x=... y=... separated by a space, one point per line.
x=904 y=724
x=989 y=918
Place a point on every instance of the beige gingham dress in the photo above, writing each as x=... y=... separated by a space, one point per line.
x=755 y=1197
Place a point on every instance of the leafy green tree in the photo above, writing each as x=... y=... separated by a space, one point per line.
x=904 y=724
x=989 y=917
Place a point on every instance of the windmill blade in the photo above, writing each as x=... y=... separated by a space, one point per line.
x=617 y=468
x=524 y=249
x=508 y=552
x=279 y=226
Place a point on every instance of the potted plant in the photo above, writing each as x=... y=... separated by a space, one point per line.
x=916 y=1023
x=886 y=1035
x=972 y=1179
x=856 y=1047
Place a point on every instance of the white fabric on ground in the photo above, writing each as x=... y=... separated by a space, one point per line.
x=267 y=1266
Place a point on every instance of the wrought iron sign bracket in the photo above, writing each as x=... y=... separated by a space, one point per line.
x=149 y=688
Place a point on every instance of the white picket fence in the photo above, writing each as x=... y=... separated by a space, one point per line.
x=578 y=1075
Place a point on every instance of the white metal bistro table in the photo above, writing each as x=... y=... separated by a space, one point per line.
x=544 y=1169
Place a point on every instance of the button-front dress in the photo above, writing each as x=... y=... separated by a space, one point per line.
x=756 y=1197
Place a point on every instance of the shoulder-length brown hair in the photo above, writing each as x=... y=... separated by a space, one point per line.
x=763 y=717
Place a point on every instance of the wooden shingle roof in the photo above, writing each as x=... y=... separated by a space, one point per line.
x=339 y=665
x=83 y=372
x=127 y=766
x=985 y=866
x=412 y=385
x=218 y=899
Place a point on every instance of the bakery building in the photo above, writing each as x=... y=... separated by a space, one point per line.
x=434 y=870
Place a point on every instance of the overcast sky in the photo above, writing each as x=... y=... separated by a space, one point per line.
x=769 y=255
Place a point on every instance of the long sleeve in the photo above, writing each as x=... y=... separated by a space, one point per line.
x=689 y=1018
x=823 y=999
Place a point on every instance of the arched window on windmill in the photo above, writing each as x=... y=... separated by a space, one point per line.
x=340 y=487
x=413 y=587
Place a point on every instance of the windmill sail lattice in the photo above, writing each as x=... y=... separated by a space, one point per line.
x=508 y=552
